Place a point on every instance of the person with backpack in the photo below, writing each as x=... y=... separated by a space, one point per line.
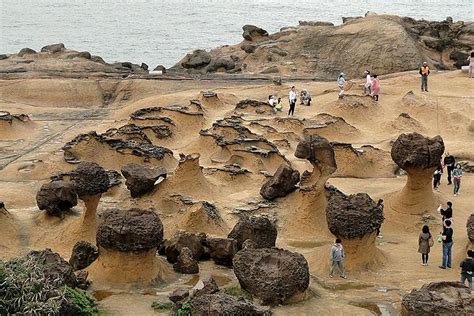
x=467 y=269
x=447 y=240
x=337 y=259
x=424 y=72
x=425 y=242
x=449 y=162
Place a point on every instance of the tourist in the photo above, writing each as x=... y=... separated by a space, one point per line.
x=448 y=212
x=292 y=96
x=271 y=100
x=341 y=81
x=437 y=177
x=337 y=259
x=457 y=175
x=424 y=72
x=368 y=83
x=379 y=206
x=375 y=86
x=449 y=162
x=447 y=239
x=471 y=65
x=278 y=106
x=425 y=242
x=467 y=269
x=305 y=98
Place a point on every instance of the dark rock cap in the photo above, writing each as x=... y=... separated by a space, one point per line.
x=56 y=197
x=318 y=151
x=259 y=229
x=416 y=150
x=83 y=254
x=90 y=179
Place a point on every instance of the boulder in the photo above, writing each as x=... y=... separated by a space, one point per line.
x=470 y=228
x=144 y=66
x=26 y=51
x=271 y=274
x=85 y=55
x=222 y=250
x=180 y=240
x=205 y=286
x=141 y=179
x=416 y=151
x=221 y=63
x=3 y=56
x=283 y=182
x=439 y=298
x=353 y=216
x=53 y=48
x=82 y=282
x=160 y=68
x=54 y=267
x=252 y=32
x=257 y=228
x=178 y=295
x=130 y=230
x=56 y=197
x=186 y=263
x=83 y=254
x=90 y=179
x=218 y=303
x=248 y=48
x=460 y=58
x=197 y=59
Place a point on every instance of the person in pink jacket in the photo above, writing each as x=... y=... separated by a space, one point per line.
x=374 y=93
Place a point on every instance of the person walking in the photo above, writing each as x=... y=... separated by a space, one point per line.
x=437 y=178
x=375 y=86
x=457 y=175
x=292 y=96
x=447 y=240
x=424 y=72
x=368 y=83
x=449 y=162
x=341 y=81
x=380 y=206
x=467 y=269
x=471 y=65
x=337 y=259
x=425 y=242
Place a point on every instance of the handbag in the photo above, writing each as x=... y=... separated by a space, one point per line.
x=431 y=241
x=440 y=238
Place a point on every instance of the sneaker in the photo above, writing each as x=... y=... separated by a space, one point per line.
x=331 y=276
x=441 y=267
x=455 y=194
x=449 y=267
x=379 y=236
x=343 y=276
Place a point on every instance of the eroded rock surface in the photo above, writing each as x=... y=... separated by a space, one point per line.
x=222 y=250
x=83 y=254
x=186 y=263
x=174 y=245
x=90 y=179
x=470 y=227
x=283 y=182
x=215 y=304
x=416 y=151
x=259 y=229
x=141 y=179
x=56 y=197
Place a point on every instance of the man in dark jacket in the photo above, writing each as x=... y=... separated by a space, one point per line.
x=449 y=162
x=467 y=268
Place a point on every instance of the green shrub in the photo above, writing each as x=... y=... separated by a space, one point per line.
x=161 y=307
x=184 y=310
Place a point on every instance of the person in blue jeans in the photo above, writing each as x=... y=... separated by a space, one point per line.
x=447 y=237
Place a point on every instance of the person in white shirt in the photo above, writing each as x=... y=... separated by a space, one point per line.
x=368 y=83
x=292 y=96
x=271 y=100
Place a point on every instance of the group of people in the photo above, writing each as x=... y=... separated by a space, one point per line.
x=445 y=237
x=372 y=85
x=454 y=173
x=305 y=99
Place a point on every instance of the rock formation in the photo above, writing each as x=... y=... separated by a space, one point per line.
x=259 y=229
x=419 y=156
x=222 y=250
x=283 y=182
x=56 y=198
x=214 y=304
x=186 y=263
x=439 y=298
x=83 y=254
x=273 y=275
x=355 y=219
x=470 y=228
x=182 y=239
x=141 y=179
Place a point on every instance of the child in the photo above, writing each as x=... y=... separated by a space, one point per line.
x=467 y=268
x=337 y=259
x=278 y=106
x=375 y=88
x=437 y=178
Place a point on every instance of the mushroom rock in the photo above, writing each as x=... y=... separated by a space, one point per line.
x=141 y=179
x=83 y=254
x=439 y=298
x=128 y=241
x=355 y=219
x=56 y=197
x=216 y=303
x=186 y=263
x=180 y=240
x=470 y=228
x=273 y=275
x=419 y=156
x=259 y=229
x=282 y=183
x=90 y=180
x=222 y=250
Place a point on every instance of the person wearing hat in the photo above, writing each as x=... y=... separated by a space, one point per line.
x=424 y=72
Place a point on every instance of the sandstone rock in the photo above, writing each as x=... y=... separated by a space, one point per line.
x=248 y=102
x=460 y=58
x=248 y=48
x=252 y=32
x=3 y=56
x=181 y=239
x=353 y=216
x=90 y=179
x=416 y=151
x=319 y=152
x=160 y=68
x=439 y=298
x=85 y=55
x=144 y=66
x=141 y=179
x=215 y=304
x=83 y=254
x=130 y=230
x=197 y=59
x=283 y=182
x=222 y=250
x=26 y=51
x=53 y=48
x=470 y=228
x=56 y=197
x=178 y=295
x=226 y=64
x=257 y=228
x=186 y=263
x=205 y=286
x=273 y=275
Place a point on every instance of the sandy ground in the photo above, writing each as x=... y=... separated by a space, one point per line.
x=60 y=109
